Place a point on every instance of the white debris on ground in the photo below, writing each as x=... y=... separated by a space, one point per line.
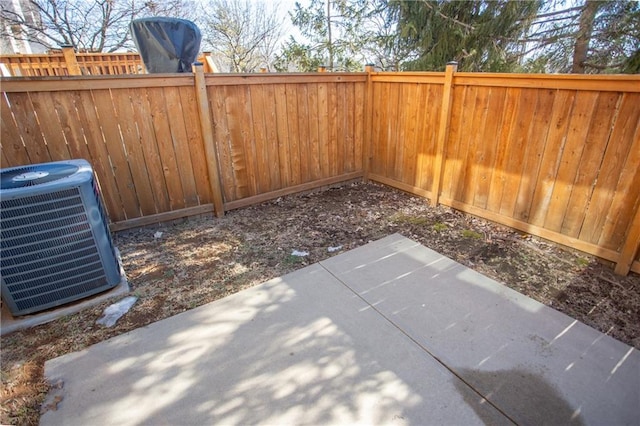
x=299 y=253
x=114 y=312
x=334 y=249
x=158 y=235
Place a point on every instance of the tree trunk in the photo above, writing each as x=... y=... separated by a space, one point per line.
x=585 y=27
x=329 y=35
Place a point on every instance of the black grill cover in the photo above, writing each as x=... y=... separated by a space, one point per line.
x=166 y=44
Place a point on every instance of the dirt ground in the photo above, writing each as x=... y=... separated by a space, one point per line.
x=179 y=266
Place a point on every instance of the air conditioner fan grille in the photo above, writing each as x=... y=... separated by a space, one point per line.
x=23 y=177
x=38 y=230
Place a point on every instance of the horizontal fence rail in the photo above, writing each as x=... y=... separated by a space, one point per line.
x=553 y=156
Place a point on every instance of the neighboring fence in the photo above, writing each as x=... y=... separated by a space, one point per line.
x=68 y=62
x=554 y=156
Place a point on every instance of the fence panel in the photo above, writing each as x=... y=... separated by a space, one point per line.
x=70 y=63
x=554 y=156
x=33 y=65
x=404 y=129
x=141 y=141
x=274 y=133
x=557 y=157
x=110 y=63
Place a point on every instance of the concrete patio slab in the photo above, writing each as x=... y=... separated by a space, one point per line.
x=302 y=349
x=535 y=363
x=390 y=333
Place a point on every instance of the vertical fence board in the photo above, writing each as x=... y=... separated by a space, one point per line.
x=65 y=106
x=272 y=138
x=165 y=147
x=359 y=125
x=423 y=163
x=371 y=159
x=313 y=155
x=109 y=122
x=234 y=176
x=261 y=155
x=394 y=136
x=576 y=135
x=474 y=152
x=626 y=196
x=303 y=129
x=406 y=162
x=90 y=123
x=556 y=137
x=350 y=154
x=49 y=125
x=135 y=156
x=518 y=134
x=29 y=129
x=333 y=129
x=396 y=154
x=624 y=116
x=14 y=152
x=181 y=150
x=461 y=144
x=341 y=130
x=147 y=139
x=324 y=129
x=490 y=138
x=282 y=135
x=228 y=141
x=248 y=138
x=428 y=137
x=294 y=133
x=534 y=142
x=595 y=145
x=194 y=145
x=499 y=174
x=451 y=159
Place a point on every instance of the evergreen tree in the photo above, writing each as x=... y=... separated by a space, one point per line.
x=479 y=35
x=335 y=34
x=590 y=37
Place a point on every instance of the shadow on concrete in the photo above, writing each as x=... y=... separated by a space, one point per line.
x=370 y=336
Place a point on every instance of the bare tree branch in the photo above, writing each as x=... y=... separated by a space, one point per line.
x=91 y=25
x=244 y=34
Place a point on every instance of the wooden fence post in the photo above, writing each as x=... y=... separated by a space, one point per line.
x=209 y=65
x=443 y=131
x=368 y=123
x=70 y=59
x=208 y=139
x=630 y=247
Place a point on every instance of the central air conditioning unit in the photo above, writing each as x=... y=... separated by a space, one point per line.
x=55 y=244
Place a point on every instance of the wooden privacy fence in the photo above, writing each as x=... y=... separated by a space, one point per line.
x=264 y=136
x=554 y=156
x=68 y=62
